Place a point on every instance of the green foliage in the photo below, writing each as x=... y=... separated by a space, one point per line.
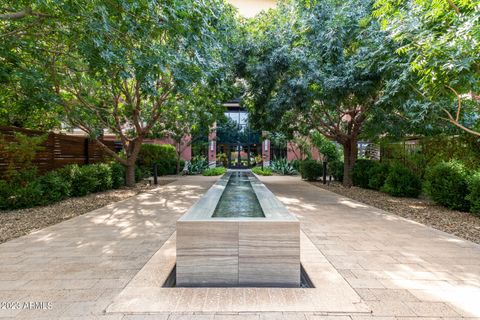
x=103 y=176
x=20 y=153
x=377 y=175
x=222 y=157
x=324 y=66
x=431 y=150
x=118 y=175
x=282 y=166
x=262 y=172
x=336 y=170
x=164 y=156
x=5 y=194
x=326 y=147
x=401 y=182
x=82 y=179
x=55 y=187
x=14 y=196
x=361 y=174
x=197 y=165
x=214 y=171
x=446 y=184
x=295 y=164
x=474 y=193
x=440 y=41
x=30 y=190
x=311 y=170
x=26 y=53
x=141 y=173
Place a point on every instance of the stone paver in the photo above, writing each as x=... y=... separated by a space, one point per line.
x=401 y=269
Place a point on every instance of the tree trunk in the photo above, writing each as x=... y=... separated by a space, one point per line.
x=178 y=163
x=349 y=158
x=134 y=149
x=130 y=175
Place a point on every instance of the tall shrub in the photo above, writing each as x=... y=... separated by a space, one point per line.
x=377 y=176
x=474 y=193
x=446 y=184
x=118 y=175
x=360 y=173
x=401 y=182
x=311 y=170
x=335 y=168
x=164 y=156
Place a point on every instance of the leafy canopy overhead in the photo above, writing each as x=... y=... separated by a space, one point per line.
x=441 y=41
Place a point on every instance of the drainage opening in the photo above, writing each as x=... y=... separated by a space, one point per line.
x=171 y=281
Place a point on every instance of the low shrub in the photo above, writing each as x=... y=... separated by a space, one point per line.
x=5 y=193
x=377 y=175
x=55 y=187
x=266 y=171
x=71 y=180
x=20 y=196
x=360 y=172
x=103 y=175
x=446 y=183
x=214 y=171
x=118 y=175
x=401 y=182
x=87 y=179
x=84 y=181
x=311 y=170
x=335 y=168
x=474 y=193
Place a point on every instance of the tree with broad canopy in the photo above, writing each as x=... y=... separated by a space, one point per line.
x=319 y=65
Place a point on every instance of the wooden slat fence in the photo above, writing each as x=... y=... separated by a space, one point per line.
x=59 y=149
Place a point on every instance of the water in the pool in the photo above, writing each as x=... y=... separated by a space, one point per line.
x=238 y=199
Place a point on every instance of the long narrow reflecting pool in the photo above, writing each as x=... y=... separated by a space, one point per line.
x=238 y=199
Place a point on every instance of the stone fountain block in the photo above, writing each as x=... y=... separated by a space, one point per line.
x=262 y=252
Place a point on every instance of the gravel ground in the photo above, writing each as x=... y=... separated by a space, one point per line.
x=16 y=223
x=424 y=211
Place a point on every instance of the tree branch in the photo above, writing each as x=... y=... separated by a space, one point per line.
x=454 y=6
x=459 y=100
x=459 y=125
x=21 y=14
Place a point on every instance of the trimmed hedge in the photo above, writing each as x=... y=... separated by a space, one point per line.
x=164 y=155
x=262 y=172
x=446 y=183
x=311 y=170
x=360 y=173
x=474 y=193
x=69 y=181
x=401 y=182
x=214 y=171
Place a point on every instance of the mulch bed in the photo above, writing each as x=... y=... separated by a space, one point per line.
x=16 y=223
x=461 y=224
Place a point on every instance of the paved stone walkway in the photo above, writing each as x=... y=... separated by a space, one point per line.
x=400 y=268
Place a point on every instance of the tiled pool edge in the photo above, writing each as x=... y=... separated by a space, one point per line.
x=145 y=294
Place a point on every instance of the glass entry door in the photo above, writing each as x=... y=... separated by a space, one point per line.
x=243 y=156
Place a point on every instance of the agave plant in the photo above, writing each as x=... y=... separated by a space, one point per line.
x=197 y=165
x=282 y=166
